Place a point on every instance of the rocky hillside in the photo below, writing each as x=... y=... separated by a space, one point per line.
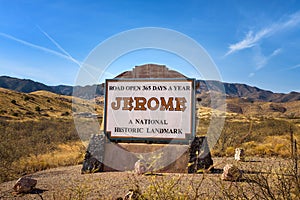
x=27 y=86
x=247 y=92
x=42 y=104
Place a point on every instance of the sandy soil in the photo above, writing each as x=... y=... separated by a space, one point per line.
x=69 y=183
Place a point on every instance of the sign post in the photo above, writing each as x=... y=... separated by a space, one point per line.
x=150 y=110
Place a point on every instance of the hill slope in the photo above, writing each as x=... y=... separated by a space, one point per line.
x=41 y=104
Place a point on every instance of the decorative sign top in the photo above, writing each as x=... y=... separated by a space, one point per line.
x=158 y=110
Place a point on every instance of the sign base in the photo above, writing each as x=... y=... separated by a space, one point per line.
x=159 y=157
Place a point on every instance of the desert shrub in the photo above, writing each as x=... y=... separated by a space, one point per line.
x=19 y=140
x=65 y=113
x=15 y=114
x=37 y=108
x=269 y=181
x=266 y=180
x=160 y=186
x=261 y=137
x=292 y=116
x=26 y=98
x=29 y=113
x=13 y=101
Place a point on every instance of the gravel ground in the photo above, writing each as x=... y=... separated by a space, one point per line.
x=69 y=183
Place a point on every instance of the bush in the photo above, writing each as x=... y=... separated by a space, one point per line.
x=14 y=101
x=37 y=108
x=26 y=98
x=261 y=137
x=65 y=113
x=31 y=139
x=15 y=114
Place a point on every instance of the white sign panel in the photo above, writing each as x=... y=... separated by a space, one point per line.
x=148 y=109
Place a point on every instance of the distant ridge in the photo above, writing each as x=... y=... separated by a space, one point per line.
x=22 y=85
x=28 y=86
x=232 y=90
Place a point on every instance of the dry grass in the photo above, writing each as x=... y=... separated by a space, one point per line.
x=29 y=146
x=42 y=104
x=259 y=135
x=64 y=155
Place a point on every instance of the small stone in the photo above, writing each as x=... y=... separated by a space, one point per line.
x=25 y=185
x=133 y=195
x=239 y=154
x=140 y=167
x=231 y=173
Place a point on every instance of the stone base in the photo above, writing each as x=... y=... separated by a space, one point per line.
x=160 y=157
x=103 y=155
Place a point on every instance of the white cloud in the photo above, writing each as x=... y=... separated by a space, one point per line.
x=59 y=47
x=276 y=52
x=251 y=74
x=252 y=39
x=294 y=67
x=64 y=54
x=35 y=46
x=262 y=60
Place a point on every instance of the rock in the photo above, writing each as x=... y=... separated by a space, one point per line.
x=94 y=156
x=140 y=167
x=239 y=154
x=133 y=195
x=200 y=157
x=231 y=173
x=91 y=164
x=25 y=185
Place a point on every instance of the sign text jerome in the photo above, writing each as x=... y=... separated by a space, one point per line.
x=157 y=110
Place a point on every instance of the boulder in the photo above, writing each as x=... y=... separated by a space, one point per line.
x=239 y=154
x=200 y=156
x=94 y=156
x=91 y=164
x=24 y=185
x=231 y=173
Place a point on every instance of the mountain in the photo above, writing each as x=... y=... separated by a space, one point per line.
x=27 y=86
x=232 y=90
x=22 y=85
x=247 y=92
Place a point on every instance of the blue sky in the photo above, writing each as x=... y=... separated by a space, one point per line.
x=252 y=42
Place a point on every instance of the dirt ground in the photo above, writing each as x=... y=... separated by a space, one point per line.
x=69 y=183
